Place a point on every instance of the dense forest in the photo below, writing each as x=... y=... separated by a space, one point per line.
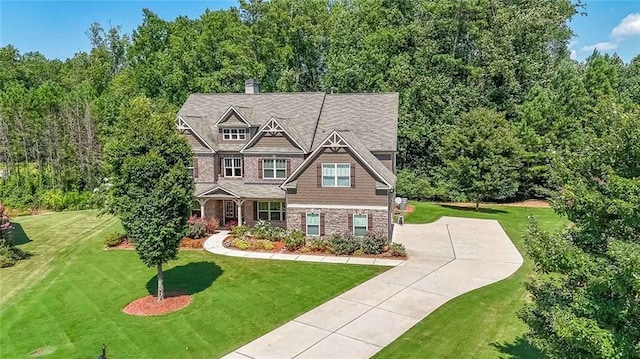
x=445 y=58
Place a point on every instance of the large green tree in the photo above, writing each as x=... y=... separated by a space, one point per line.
x=151 y=189
x=482 y=156
x=586 y=301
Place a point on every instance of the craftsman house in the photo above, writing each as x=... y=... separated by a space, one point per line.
x=321 y=163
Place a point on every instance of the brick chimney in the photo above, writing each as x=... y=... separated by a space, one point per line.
x=251 y=86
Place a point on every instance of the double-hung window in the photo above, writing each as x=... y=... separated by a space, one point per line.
x=313 y=224
x=271 y=211
x=336 y=175
x=233 y=167
x=360 y=222
x=237 y=134
x=274 y=168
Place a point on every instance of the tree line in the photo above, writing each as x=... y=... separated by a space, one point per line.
x=445 y=58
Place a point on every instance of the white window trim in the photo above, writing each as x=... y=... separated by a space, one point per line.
x=335 y=176
x=227 y=134
x=274 y=168
x=232 y=159
x=190 y=170
x=366 y=223
x=307 y=225
x=282 y=210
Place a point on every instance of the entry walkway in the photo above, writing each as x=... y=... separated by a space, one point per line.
x=447 y=258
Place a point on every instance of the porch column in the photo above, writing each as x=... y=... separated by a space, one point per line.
x=202 y=202
x=239 y=203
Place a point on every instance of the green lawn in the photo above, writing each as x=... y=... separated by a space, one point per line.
x=67 y=299
x=483 y=323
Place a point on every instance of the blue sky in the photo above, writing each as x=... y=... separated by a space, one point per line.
x=57 y=28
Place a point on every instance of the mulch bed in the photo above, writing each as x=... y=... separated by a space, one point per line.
x=185 y=243
x=150 y=305
x=279 y=248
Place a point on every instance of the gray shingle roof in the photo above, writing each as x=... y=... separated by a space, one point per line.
x=368 y=157
x=308 y=117
x=242 y=189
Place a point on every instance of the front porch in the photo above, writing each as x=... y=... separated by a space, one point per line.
x=233 y=207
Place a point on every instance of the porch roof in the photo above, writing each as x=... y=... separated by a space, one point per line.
x=230 y=189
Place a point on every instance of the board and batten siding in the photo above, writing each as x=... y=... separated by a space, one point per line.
x=362 y=194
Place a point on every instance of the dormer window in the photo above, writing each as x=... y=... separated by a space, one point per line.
x=234 y=134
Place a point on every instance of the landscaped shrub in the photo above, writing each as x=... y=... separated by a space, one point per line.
x=8 y=253
x=241 y=244
x=343 y=244
x=294 y=240
x=211 y=224
x=240 y=231
x=191 y=243
x=268 y=245
x=373 y=243
x=397 y=250
x=196 y=227
x=263 y=230
x=114 y=239
x=318 y=244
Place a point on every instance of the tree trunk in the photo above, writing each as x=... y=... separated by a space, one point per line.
x=160 y=283
x=477 y=204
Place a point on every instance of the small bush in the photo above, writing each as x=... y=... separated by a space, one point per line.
x=294 y=240
x=196 y=227
x=358 y=252
x=191 y=243
x=263 y=230
x=268 y=245
x=397 y=250
x=319 y=244
x=373 y=243
x=343 y=244
x=10 y=255
x=211 y=224
x=241 y=244
x=114 y=239
x=305 y=249
x=240 y=231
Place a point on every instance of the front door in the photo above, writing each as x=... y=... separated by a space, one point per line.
x=230 y=212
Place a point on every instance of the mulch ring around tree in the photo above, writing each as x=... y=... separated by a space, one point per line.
x=150 y=305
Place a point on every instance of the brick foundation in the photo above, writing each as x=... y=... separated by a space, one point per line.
x=337 y=220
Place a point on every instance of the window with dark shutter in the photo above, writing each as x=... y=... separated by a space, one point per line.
x=288 y=168
x=260 y=174
x=322 y=224
x=195 y=167
x=350 y=223
x=370 y=224
x=221 y=167
x=303 y=223
x=353 y=175
x=319 y=174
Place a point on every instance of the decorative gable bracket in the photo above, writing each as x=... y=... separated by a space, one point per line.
x=334 y=142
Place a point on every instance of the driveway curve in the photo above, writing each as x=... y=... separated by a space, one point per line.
x=447 y=258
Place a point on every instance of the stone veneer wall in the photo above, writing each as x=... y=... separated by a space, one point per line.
x=337 y=220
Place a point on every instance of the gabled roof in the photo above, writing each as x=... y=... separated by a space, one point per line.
x=228 y=113
x=209 y=190
x=183 y=125
x=272 y=126
x=348 y=140
x=308 y=117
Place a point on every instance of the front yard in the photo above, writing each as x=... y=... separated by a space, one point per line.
x=67 y=299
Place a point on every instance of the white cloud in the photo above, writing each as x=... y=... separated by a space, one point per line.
x=573 y=55
x=601 y=46
x=629 y=26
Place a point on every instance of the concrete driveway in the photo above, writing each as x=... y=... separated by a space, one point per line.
x=447 y=258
